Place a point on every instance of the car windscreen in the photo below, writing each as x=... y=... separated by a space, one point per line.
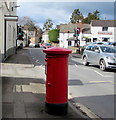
x=108 y=49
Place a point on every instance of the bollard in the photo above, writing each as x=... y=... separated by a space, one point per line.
x=56 y=70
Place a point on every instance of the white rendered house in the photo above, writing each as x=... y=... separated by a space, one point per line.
x=103 y=30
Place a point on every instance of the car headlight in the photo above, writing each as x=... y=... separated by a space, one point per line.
x=110 y=58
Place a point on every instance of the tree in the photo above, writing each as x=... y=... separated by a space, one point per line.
x=92 y=16
x=53 y=35
x=76 y=16
x=27 y=21
x=48 y=24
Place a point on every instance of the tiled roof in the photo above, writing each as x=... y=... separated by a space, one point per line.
x=68 y=27
x=86 y=29
x=25 y=27
x=104 y=23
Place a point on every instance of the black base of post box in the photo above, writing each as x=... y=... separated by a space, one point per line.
x=56 y=109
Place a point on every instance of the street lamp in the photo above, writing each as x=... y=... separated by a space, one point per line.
x=14 y=7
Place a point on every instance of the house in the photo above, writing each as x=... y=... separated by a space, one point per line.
x=66 y=35
x=67 y=31
x=34 y=35
x=103 y=30
x=8 y=26
x=98 y=30
x=86 y=34
x=45 y=36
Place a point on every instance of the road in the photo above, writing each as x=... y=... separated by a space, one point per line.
x=88 y=85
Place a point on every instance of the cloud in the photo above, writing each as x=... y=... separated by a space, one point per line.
x=41 y=12
x=60 y=12
x=66 y=0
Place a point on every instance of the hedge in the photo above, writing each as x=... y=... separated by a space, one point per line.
x=53 y=35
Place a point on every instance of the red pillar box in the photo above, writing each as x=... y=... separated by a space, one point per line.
x=56 y=80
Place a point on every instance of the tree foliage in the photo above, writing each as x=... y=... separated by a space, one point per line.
x=92 y=16
x=53 y=35
x=27 y=21
x=48 y=24
x=76 y=16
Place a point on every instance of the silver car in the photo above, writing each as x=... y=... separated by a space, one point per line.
x=102 y=55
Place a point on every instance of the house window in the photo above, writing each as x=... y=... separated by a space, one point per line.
x=94 y=39
x=105 y=39
x=69 y=43
x=88 y=40
x=104 y=28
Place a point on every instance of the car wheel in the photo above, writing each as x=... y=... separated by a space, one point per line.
x=85 y=61
x=102 y=65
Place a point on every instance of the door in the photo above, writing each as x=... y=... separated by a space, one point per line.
x=95 y=55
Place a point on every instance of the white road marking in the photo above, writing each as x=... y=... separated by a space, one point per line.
x=88 y=69
x=76 y=65
x=100 y=81
x=98 y=73
x=102 y=75
x=95 y=71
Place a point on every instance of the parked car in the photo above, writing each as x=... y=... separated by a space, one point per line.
x=102 y=55
x=112 y=43
x=47 y=45
x=37 y=45
x=99 y=43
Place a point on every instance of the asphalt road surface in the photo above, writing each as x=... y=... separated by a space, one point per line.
x=88 y=85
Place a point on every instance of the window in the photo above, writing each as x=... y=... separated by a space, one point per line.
x=69 y=43
x=105 y=39
x=88 y=40
x=89 y=48
x=94 y=39
x=95 y=48
x=104 y=28
x=108 y=49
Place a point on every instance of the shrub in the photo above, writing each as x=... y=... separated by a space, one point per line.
x=54 y=35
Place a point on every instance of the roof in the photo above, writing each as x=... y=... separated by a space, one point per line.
x=86 y=29
x=71 y=39
x=104 y=23
x=25 y=27
x=68 y=27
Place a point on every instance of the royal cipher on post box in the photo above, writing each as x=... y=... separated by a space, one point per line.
x=56 y=80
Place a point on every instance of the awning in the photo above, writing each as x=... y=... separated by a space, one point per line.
x=71 y=39
x=11 y=18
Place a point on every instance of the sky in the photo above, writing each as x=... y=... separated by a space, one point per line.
x=60 y=12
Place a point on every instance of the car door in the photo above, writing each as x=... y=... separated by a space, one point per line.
x=95 y=55
x=89 y=53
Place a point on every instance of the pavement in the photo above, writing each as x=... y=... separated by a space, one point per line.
x=24 y=92
x=76 y=55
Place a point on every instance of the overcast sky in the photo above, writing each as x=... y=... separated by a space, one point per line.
x=60 y=12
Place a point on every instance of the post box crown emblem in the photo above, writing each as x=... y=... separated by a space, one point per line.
x=57 y=50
